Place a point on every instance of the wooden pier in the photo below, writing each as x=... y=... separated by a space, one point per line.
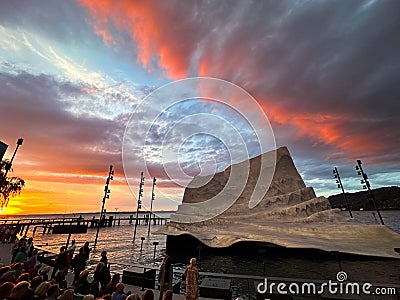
x=47 y=225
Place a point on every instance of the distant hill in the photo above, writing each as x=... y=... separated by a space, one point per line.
x=387 y=198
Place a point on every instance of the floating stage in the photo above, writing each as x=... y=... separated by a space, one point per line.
x=288 y=215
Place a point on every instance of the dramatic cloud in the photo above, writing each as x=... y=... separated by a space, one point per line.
x=326 y=68
x=71 y=73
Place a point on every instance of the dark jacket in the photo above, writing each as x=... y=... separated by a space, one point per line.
x=82 y=286
x=103 y=276
x=78 y=263
x=61 y=260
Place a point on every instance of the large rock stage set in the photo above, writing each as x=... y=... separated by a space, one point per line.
x=289 y=215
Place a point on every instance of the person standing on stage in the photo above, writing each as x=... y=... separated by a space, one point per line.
x=165 y=276
x=192 y=281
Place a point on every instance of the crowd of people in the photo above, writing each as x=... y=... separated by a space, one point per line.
x=8 y=233
x=27 y=279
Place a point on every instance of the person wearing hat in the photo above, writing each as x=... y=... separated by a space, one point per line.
x=67 y=295
x=82 y=284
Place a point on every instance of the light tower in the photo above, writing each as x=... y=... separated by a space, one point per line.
x=366 y=185
x=340 y=185
x=151 y=204
x=139 y=203
x=106 y=196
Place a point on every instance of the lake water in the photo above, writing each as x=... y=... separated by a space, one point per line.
x=118 y=243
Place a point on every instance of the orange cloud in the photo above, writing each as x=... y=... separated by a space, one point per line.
x=327 y=129
x=141 y=19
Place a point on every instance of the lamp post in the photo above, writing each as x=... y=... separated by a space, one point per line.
x=139 y=203
x=106 y=196
x=8 y=165
x=340 y=185
x=155 y=246
x=151 y=204
x=141 y=245
x=366 y=185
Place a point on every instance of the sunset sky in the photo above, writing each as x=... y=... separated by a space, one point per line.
x=326 y=74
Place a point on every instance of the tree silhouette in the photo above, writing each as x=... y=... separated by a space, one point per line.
x=10 y=186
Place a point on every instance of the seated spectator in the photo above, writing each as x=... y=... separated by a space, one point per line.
x=12 y=274
x=41 y=290
x=31 y=262
x=53 y=292
x=110 y=287
x=4 y=270
x=148 y=295
x=19 y=290
x=60 y=279
x=82 y=285
x=23 y=277
x=21 y=255
x=67 y=295
x=133 y=297
x=168 y=295
x=35 y=271
x=94 y=289
x=88 y=297
x=119 y=292
x=5 y=289
x=30 y=293
x=44 y=273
